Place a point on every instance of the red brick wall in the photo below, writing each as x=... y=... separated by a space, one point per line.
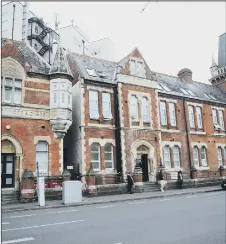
x=24 y=131
x=36 y=97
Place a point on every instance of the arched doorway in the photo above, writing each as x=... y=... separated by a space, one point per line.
x=11 y=162
x=8 y=164
x=143 y=154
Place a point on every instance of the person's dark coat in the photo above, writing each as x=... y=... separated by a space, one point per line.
x=161 y=176
x=130 y=183
x=180 y=179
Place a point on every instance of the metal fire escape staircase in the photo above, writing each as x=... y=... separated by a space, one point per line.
x=41 y=36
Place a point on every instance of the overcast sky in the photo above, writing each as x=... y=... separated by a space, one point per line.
x=170 y=35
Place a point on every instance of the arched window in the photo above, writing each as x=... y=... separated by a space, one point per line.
x=204 y=156
x=108 y=156
x=166 y=157
x=133 y=108
x=42 y=157
x=145 y=109
x=196 y=156
x=219 y=156
x=95 y=156
x=176 y=156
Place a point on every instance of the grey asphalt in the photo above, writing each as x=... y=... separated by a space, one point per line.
x=109 y=199
x=196 y=218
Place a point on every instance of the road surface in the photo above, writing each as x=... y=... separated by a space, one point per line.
x=196 y=219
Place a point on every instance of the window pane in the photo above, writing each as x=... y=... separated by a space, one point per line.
x=219 y=156
x=203 y=156
x=196 y=156
x=94 y=156
x=163 y=113
x=109 y=165
x=199 y=117
x=166 y=157
x=191 y=116
x=106 y=104
x=54 y=97
x=42 y=146
x=214 y=113
x=108 y=148
x=133 y=107
x=176 y=156
x=108 y=156
x=132 y=67
x=172 y=114
x=18 y=83
x=95 y=165
x=8 y=94
x=8 y=82
x=221 y=118
x=42 y=156
x=93 y=104
x=62 y=98
x=17 y=96
x=145 y=109
x=95 y=147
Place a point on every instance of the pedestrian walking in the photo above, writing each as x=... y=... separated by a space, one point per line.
x=180 y=179
x=161 y=180
x=130 y=183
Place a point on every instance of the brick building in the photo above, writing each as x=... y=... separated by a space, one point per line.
x=123 y=113
x=36 y=112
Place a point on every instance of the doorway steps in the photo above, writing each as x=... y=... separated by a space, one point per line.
x=150 y=186
x=10 y=197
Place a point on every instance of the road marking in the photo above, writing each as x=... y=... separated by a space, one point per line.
x=190 y=196
x=19 y=240
x=22 y=216
x=38 y=226
x=5 y=223
x=136 y=203
x=109 y=206
x=166 y=199
x=118 y=243
x=67 y=211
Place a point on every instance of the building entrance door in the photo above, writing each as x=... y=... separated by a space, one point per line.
x=7 y=174
x=144 y=163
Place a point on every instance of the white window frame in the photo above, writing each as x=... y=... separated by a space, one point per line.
x=94 y=114
x=43 y=167
x=145 y=109
x=191 y=116
x=96 y=152
x=134 y=104
x=219 y=156
x=176 y=156
x=172 y=112
x=163 y=113
x=13 y=89
x=221 y=119
x=199 y=117
x=106 y=99
x=204 y=159
x=112 y=157
x=196 y=156
x=215 y=117
x=137 y=67
x=167 y=162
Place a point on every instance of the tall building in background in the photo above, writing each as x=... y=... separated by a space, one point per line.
x=19 y=23
x=218 y=71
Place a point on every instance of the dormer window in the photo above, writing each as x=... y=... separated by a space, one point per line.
x=137 y=68
x=91 y=72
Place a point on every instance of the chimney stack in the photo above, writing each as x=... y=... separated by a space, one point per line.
x=185 y=74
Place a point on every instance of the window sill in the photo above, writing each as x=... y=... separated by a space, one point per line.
x=173 y=169
x=197 y=133
x=203 y=168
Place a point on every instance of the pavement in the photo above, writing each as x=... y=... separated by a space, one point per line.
x=197 y=218
x=108 y=199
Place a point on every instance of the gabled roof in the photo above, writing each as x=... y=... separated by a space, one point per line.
x=174 y=83
x=86 y=65
x=28 y=56
x=125 y=63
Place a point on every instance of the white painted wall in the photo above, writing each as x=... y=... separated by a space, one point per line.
x=103 y=48
x=7 y=20
x=71 y=39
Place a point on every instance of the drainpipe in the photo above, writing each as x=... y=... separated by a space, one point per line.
x=117 y=125
x=14 y=6
x=187 y=133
